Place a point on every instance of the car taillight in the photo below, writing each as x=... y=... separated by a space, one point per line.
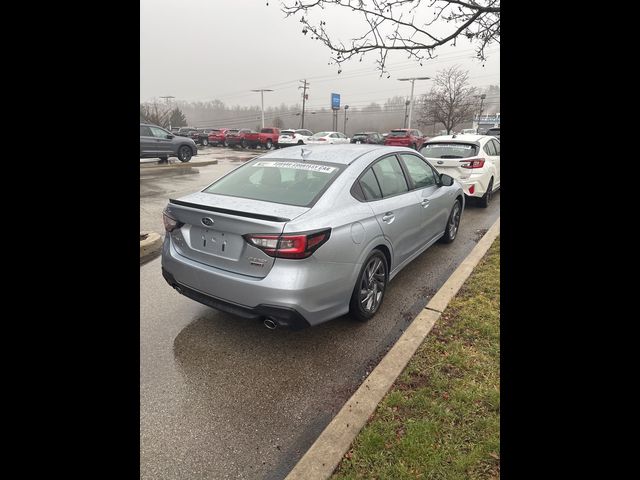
x=475 y=163
x=170 y=223
x=291 y=245
x=322 y=139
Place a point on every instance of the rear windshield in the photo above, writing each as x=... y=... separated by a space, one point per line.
x=494 y=130
x=449 y=150
x=233 y=131
x=279 y=181
x=287 y=132
x=360 y=135
x=399 y=133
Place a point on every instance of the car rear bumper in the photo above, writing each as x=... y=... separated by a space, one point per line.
x=476 y=185
x=295 y=293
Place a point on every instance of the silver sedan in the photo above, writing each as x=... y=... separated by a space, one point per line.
x=303 y=235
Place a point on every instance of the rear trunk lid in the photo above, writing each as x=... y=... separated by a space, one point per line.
x=214 y=226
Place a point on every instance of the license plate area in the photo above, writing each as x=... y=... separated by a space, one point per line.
x=214 y=242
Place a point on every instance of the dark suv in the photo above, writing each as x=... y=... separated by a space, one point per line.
x=368 y=137
x=156 y=142
x=494 y=132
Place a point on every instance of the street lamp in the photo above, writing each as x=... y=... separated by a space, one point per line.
x=346 y=107
x=481 y=97
x=262 y=90
x=168 y=99
x=413 y=81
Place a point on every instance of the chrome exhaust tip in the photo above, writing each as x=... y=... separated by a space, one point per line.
x=270 y=323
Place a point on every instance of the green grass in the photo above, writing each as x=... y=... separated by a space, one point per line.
x=441 y=419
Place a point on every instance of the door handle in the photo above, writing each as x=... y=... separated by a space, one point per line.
x=388 y=217
x=425 y=202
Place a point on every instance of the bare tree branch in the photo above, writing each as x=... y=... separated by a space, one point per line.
x=401 y=25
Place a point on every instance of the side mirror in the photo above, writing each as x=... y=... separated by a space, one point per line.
x=170 y=136
x=446 y=180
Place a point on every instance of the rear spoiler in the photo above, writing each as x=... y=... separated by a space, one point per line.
x=237 y=213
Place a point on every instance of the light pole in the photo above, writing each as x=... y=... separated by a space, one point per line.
x=413 y=81
x=344 y=129
x=481 y=97
x=262 y=90
x=167 y=99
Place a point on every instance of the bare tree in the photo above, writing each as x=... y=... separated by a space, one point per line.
x=152 y=113
x=451 y=100
x=402 y=25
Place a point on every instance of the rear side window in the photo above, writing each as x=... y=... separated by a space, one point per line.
x=370 y=186
x=145 y=131
x=389 y=175
x=449 y=150
x=489 y=149
x=496 y=145
x=290 y=183
x=266 y=130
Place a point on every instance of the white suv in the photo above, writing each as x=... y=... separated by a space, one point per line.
x=473 y=160
x=293 y=137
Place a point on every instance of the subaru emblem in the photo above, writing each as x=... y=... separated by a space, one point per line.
x=206 y=221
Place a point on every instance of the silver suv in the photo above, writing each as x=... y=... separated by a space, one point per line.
x=156 y=142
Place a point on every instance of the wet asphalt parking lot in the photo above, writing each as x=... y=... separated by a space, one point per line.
x=225 y=398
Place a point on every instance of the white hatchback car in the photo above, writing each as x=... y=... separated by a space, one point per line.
x=293 y=137
x=328 y=138
x=473 y=160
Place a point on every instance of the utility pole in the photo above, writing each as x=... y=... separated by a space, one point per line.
x=262 y=90
x=167 y=99
x=413 y=81
x=481 y=97
x=406 y=105
x=304 y=87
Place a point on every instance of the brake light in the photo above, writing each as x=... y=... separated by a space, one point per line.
x=170 y=223
x=295 y=245
x=322 y=139
x=475 y=163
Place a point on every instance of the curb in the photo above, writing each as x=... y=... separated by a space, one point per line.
x=151 y=244
x=325 y=454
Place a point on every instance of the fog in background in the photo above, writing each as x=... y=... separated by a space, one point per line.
x=201 y=51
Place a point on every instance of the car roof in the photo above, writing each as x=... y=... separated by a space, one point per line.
x=464 y=138
x=342 y=154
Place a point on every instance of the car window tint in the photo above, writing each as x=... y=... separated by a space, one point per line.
x=158 y=132
x=420 y=173
x=390 y=176
x=370 y=186
x=288 y=182
x=145 y=131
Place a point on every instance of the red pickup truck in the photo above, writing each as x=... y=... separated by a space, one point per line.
x=268 y=137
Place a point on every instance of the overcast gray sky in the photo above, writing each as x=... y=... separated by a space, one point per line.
x=200 y=50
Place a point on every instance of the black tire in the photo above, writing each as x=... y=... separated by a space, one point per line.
x=453 y=223
x=204 y=142
x=185 y=153
x=269 y=144
x=225 y=144
x=164 y=160
x=300 y=142
x=243 y=144
x=370 y=287
x=485 y=200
